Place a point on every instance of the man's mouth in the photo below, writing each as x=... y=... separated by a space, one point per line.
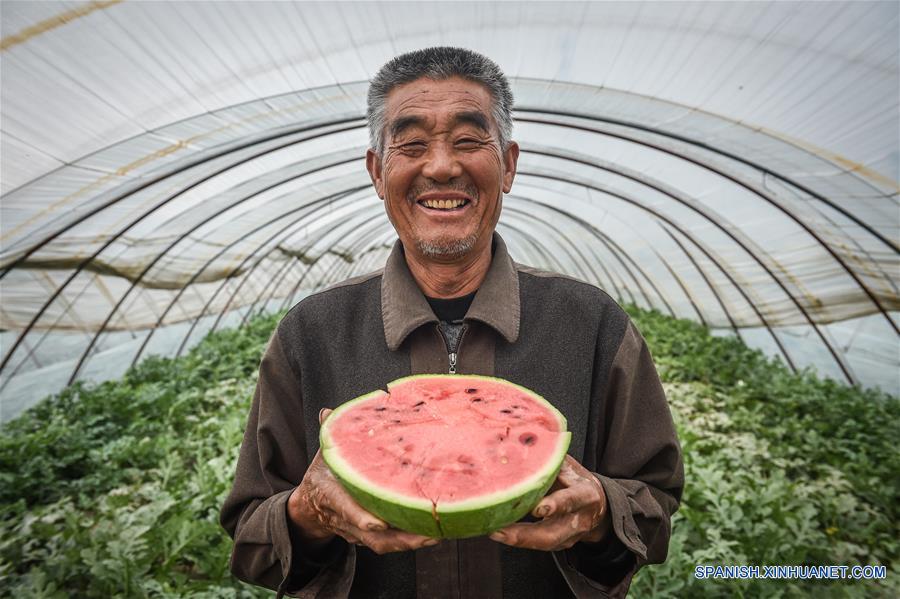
x=444 y=204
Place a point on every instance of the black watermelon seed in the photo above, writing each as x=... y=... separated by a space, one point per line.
x=472 y=390
x=421 y=403
x=527 y=439
x=476 y=399
x=505 y=411
x=395 y=421
x=381 y=409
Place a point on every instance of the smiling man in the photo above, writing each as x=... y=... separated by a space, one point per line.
x=442 y=173
x=450 y=299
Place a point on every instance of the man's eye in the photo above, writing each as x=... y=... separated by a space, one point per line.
x=468 y=142
x=414 y=146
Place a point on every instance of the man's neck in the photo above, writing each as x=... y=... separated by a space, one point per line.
x=449 y=279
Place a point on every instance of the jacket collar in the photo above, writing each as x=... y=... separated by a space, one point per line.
x=404 y=307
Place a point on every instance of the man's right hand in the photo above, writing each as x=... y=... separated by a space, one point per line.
x=320 y=508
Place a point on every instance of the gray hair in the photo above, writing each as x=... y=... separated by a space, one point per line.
x=439 y=63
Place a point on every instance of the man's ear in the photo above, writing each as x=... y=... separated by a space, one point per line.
x=373 y=165
x=510 y=160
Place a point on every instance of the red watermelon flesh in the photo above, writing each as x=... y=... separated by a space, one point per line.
x=447 y=455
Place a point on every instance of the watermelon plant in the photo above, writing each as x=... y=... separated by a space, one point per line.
x=113 y=490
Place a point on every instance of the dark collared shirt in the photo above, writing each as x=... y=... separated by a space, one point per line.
x=565 y=339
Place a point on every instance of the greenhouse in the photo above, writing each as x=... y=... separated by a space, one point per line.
x=176 y=176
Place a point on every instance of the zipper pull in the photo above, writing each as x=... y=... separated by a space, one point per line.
x=452 y=356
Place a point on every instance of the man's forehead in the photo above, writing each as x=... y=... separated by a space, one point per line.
x=426 y=95
x=430 y=103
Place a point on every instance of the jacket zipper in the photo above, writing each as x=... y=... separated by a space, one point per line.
x=453 y=352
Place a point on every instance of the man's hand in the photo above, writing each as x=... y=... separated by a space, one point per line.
x=320 y=508
x=575 y=510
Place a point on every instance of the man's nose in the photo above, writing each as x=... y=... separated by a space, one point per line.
x=441 y=163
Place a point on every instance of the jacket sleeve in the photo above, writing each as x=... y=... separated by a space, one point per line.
x=272 y=461
x=639 y=464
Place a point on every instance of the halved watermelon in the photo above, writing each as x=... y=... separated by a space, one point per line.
x=446 y=455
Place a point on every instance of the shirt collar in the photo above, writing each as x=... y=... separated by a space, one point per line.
x=404 y=307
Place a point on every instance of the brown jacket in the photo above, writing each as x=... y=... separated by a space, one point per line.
x=565 y=339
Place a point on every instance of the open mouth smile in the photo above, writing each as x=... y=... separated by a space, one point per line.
x=447 y=205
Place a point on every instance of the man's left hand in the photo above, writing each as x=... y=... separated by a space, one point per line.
x=575 y=510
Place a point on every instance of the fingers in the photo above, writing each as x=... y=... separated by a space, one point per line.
x=350 y=512
x=330 y=497
x=340 y=513
x=393 y=540
x=566 y=500
x=321 y=496
x=552 y=534
x=323 y=414
x=380 y=541
x=569 y=514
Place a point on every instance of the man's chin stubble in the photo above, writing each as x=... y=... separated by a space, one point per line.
x=447 y=249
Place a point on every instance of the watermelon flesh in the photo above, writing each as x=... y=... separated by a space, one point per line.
x=446 y=455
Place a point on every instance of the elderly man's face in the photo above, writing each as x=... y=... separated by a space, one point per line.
x=442 y=171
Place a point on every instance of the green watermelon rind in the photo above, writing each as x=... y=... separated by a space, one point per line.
x=461 y=519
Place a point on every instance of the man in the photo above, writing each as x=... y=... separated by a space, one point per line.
x=451 y=299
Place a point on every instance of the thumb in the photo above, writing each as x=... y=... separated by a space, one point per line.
x=323 y=414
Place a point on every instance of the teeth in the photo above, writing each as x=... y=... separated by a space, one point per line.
x=443 y=204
